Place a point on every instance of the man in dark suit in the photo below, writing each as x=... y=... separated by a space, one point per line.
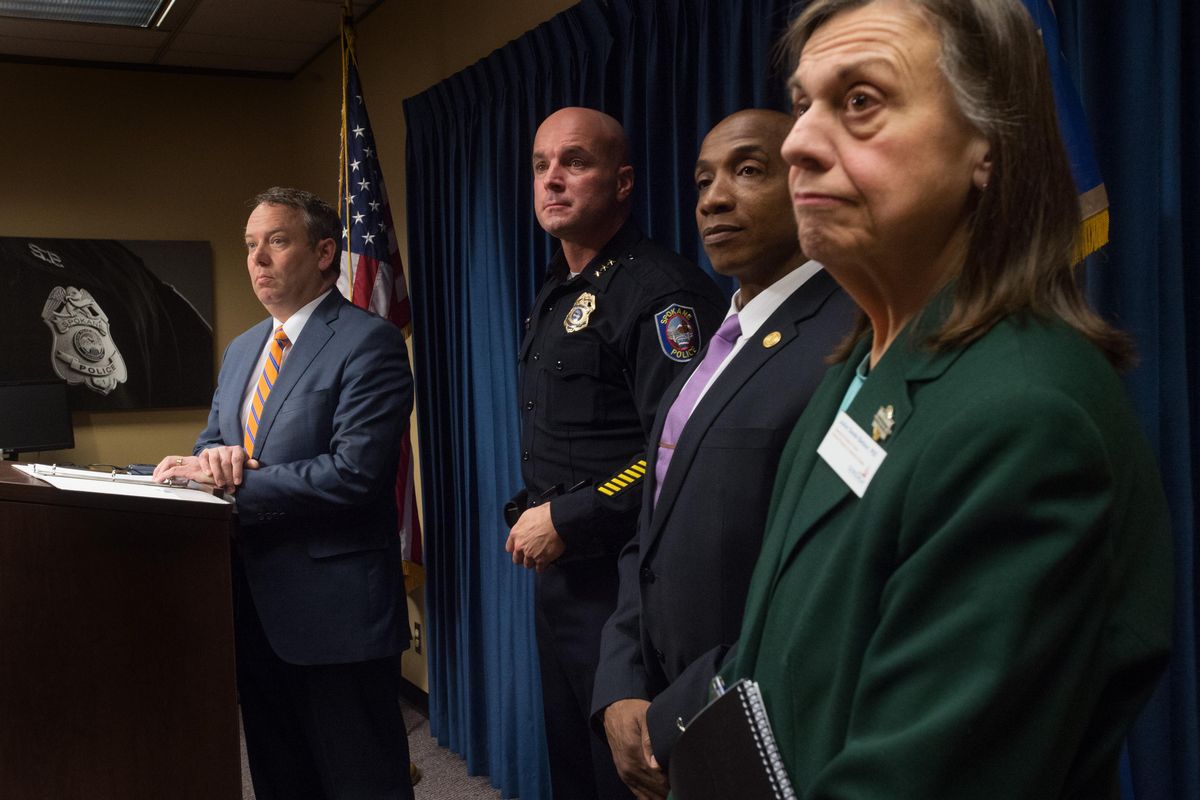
x=305 y=430
x=715 y=446
x=618 y=317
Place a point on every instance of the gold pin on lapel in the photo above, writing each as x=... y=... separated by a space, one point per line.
x=600 y=270
x=881 y=424
x=772 y=339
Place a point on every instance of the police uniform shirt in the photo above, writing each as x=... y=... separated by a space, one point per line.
x=599 y=351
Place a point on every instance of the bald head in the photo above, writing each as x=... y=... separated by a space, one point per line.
x=603 y=131
x=770 y=125
x=743 y=205
x=582 y=180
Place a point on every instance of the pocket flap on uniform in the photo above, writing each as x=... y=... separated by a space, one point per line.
x=576 y=357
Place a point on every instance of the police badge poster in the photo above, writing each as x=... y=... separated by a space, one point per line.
x=126 y=324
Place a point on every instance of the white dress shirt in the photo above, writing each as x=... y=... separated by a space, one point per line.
x=294 y=325
x=756 y=312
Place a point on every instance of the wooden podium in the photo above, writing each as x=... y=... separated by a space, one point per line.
x=116 y=647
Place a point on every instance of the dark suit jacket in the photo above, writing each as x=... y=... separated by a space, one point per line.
x=317 y=521
x=989 y=617
x=683 y=578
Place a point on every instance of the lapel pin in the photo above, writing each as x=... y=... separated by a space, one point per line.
x=881 y=424
x=772 y=339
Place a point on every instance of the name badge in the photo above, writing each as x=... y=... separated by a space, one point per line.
x=851 y=453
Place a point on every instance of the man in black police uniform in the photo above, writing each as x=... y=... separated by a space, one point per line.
x=618 y=317
x=685 y=575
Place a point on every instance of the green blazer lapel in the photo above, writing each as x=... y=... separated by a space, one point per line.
x=888 y=392
x=811 y=489
x=789 y=512
x=888 y=395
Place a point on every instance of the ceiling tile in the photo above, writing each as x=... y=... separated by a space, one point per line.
x=275 y=36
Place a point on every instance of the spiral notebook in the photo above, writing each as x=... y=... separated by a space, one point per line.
x=728 y=750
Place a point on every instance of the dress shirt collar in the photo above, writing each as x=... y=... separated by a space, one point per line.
x=296 y=322
x=766 y=302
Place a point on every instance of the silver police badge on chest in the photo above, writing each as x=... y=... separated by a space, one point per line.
x=577 y=317
x=84 y=351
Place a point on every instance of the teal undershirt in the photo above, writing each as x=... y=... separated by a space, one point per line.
x=860 y=377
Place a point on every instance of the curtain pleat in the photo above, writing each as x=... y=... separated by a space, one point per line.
x=1138 y=70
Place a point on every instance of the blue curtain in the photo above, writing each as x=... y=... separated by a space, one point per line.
x=670 y=70
x=1137 y=66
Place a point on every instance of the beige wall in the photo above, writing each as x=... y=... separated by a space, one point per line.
x=122 y=154
x=138 y=155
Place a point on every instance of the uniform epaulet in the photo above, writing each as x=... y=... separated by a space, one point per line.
x=628 y=477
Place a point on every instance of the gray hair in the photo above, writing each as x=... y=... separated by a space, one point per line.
x=1022 y=228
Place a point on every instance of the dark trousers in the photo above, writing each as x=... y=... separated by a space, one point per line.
x=324 y=732
x=581 y=765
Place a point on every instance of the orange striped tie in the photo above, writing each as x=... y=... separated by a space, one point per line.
x=265 y=382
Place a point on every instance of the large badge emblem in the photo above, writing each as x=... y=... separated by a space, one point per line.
x=83 y=350
x=677 y=332
x=577 y=317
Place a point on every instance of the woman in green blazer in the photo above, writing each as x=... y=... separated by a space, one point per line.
x=965 y=585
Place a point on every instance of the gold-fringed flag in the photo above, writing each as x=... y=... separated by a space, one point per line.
x=372 y=275
x=1093 y=199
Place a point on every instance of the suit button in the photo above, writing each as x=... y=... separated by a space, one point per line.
x=647 y=575
x=549 y=307
x=529 y=406
x=558 y=365
x=659 y=655
x=536 y=356
x=525 y=456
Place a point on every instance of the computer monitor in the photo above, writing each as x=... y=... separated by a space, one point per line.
x=34 y=415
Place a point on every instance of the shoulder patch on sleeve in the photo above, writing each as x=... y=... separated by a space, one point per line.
x=627 y=477
x=678 y=333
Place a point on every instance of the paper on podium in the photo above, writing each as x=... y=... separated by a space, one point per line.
x=82 y=480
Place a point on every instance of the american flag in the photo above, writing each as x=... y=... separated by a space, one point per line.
x=1093 y=197
x=372 y=275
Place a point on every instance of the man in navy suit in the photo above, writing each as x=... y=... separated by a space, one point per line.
x=304 y=431
x=714 y=448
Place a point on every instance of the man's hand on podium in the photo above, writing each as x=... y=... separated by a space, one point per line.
x=220 y=467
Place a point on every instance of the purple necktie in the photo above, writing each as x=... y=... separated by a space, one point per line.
x=681 y=409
